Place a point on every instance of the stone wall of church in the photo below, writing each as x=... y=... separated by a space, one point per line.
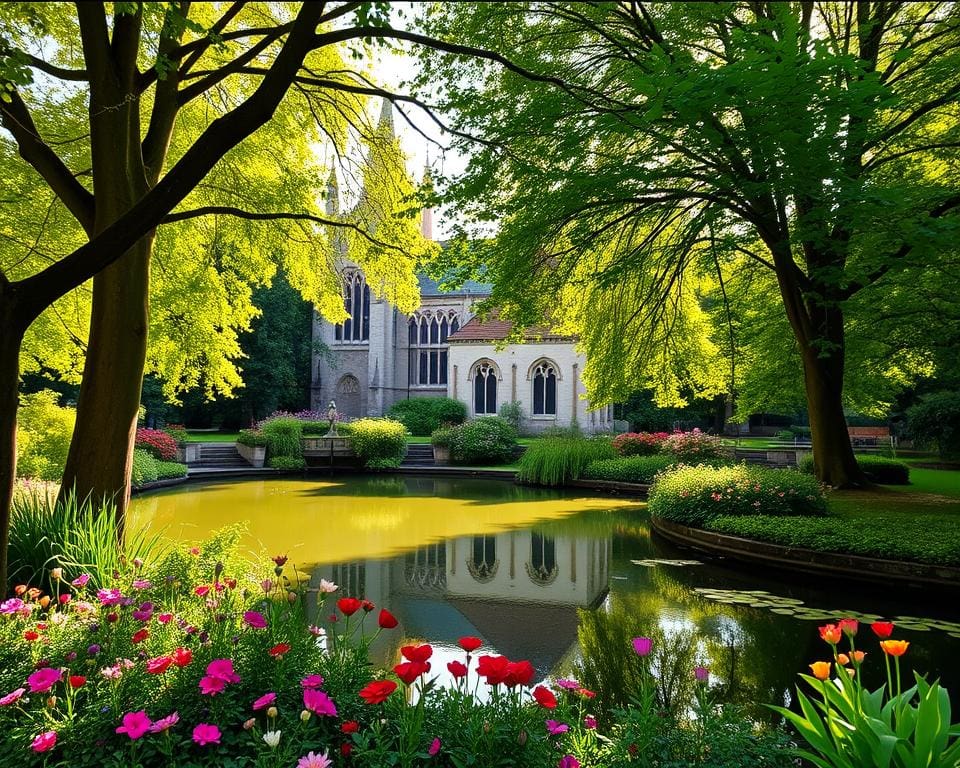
x=514 y=366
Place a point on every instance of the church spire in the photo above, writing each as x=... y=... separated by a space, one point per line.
x=386 y=119
x=333 y=194
x=426 y=216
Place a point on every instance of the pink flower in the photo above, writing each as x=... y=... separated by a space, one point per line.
x=222 y=669
x=11 y=697
x=12 y=606
x=205 y=734
x=81 y=580
x=554 y=728
x=642 y=645
x=568 y=761
x=570 y=685
x=211 y=686
x=164 y=618
x=312 y=681
x=144 y=612
x=264 y=701
x=109 y=596
x=312 y=760
x=318 y=702
x=44 y=679
x=194 y=550
x=44 y=742
x=702 y=674
x=141 y=584
x=434 y=747
x=201 y=590
x=328 y=587
x=590 y=723
x=255 y=619
x=135 y=724
x=159 y=665
x=165 y=723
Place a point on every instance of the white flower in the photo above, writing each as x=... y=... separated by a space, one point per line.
x=272 y=738
x=326 y=587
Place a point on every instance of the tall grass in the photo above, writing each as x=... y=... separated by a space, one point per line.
x=80 y=537
x=283 y=437
x=557 y=460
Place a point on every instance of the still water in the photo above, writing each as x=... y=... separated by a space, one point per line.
x=557 y=577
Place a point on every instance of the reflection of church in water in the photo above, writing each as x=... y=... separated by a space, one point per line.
x=518 y=590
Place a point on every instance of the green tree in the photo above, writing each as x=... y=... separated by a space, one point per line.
x=668 y=143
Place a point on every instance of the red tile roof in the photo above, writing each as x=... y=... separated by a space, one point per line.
x=495 y=329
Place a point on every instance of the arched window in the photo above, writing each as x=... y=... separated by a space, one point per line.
x=544 y=389
x=356 y=301
x=484 y=389
x=412 y=332
x=482 y=562
x=428 y=348
x=542 y=566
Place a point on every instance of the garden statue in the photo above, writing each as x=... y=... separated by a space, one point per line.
x=334 y=417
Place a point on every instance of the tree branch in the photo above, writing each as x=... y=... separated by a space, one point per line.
x=61 y=73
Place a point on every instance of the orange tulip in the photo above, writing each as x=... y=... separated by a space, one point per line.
x=821 y=669
x=895 y=647
x=858 y=656
x=831 y=633
x=842 y=658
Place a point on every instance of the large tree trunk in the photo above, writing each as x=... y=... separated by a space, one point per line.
x=10 y=341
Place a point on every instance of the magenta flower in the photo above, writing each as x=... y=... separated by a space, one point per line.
x=205 y=734
x=642 y=645
x=164 y=618
x=568 y=761
x=264 y=701
x=312 y=681
x=570 y=685
x=165 y=723
x=141 y=584
x=44 y=679
x=318 y=702
x=555 y=729
x=211 y=686
x=255 y=620
x=144 y=612
x=44 y=742
x=109 y=596
x=11 y=697
x=12 y=606
x=434 y=747
x=312 y=760
x=590 y=723
x=81 y=580
x=222 y=669
x=135 y=724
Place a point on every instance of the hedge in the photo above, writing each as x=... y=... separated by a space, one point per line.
x=628 y=469
x=878 y=469
x=147 y=469
x=286 y=462
x=487 y=440
x=695 y=495
x=379 y=443
x=557 y=460
x=283 y=437
x=422 y=415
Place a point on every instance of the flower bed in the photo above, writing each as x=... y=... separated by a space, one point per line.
x=157 y=443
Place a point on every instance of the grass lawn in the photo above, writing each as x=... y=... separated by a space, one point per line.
x=918 y=522
x=212 y=437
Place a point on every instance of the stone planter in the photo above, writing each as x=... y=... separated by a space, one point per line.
x=254 y=455
x=441 y=455
x=188 y=453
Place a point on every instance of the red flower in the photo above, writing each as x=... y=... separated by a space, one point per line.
x=470 y=644
x=279 y=560
x=418 y=653
x=350 y=726
x=831 y=633
x=182 y=656
x=387 y=620
x=279 y=649
x=201 y=590
x=378 y=691
x=232 y=583
x=494 y=668
x=345 y=749
x=409 y=671
x=586 y=693
x=518 y=673
x=159 y=665
x=848 y=626
x=882 y=629
x=367 y=605
x=77 y=681
x=20 y=589
x=139 y=636
x=348 y=605
x=30 y=635
x=457 y=669
x=544 y=697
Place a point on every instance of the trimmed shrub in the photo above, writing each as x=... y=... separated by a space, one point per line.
x=252 y=438
x=443 y=437
x=696 y=495
x=283 y=437
x=44 y=429
x=639 y=443
x=287 y=462
x=379 y=443
x=167 y=470
x=878 y=469
x=144 y=467
x=628 y=469
x=487 y=440
x=157 y=443
x=557 y=460
x=422 y=415
x=693 y=446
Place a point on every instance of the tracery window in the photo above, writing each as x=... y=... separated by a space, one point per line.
x=545 y=389
x=542 y=566
x=356 y=300
x=427 y=336
x=484 y=388
x=482 y=562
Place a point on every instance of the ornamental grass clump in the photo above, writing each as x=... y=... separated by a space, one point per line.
x=557 y=460
x=283 y=437
x=695 y=495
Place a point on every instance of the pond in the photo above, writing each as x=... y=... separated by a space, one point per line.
x=556 y=577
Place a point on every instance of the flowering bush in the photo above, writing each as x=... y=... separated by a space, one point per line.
x=639 y=443
x=44 y=429
x=379 y=443
x=487 y=440
x=156 y=442
x=696 y=495
x=693 y=446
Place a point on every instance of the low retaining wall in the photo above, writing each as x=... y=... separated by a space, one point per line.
x=810 y=561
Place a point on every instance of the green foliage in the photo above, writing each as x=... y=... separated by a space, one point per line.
x=557 y=460
x=167 y=470
x=443 y=437
x=512 y=412
x=379 y=443
x=178 y=432
x=878 y=469
x=936 y=419
x=145 y=469
x=44 y=429
x=252 y=438
x=628 y=469
x=697 y=495
x=422 y=415
x=487 y=440
x=287 y=462
x=283 y=437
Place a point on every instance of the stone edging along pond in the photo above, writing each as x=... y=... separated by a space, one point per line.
x=810 y=561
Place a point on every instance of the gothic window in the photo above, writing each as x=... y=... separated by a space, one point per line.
x=544 y=389
x=427 y=566
x=350 y=577
x=482 y=561
x=484 y=389
x=542 y=566
x=427 y=336
x=356 y=301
